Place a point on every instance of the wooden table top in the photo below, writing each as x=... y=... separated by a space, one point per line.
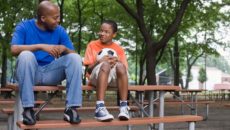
x=154 y=88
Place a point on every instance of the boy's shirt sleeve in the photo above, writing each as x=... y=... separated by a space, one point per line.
x=90 y=57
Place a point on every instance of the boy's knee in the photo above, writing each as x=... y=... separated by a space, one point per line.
x=120 y=68
x=105 y=67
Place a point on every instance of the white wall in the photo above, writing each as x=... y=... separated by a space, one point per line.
x=214 y=76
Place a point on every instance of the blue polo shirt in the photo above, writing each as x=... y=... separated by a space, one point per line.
x=27 y=33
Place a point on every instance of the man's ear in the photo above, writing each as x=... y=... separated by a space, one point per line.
x=43 y=18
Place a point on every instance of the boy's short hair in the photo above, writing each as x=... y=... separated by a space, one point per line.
x=112 y=23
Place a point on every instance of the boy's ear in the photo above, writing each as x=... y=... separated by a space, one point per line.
x=114 y=35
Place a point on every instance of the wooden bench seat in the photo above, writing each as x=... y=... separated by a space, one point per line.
x=38 y=88
x=10 y=111
x=133 y=121
x=13 y=101
x=5 y=89
x=186 y=102
x=227 y=105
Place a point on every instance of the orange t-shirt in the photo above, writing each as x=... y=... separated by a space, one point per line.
x=95 y=46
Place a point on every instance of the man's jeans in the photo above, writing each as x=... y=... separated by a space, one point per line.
x=29 y=73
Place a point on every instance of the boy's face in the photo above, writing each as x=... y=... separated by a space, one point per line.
x=106 y=33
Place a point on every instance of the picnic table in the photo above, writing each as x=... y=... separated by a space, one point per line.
x=222 y=88
x=193 y=98
x=161 y=89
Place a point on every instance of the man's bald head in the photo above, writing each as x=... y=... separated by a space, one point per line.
x=44 y=8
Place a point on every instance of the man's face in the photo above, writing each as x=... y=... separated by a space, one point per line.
x=106 y=33
x=51 y=19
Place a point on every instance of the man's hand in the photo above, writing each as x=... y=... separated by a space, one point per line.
x=54 y=50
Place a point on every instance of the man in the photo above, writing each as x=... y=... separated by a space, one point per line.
x=46 y=57
x=107 y=71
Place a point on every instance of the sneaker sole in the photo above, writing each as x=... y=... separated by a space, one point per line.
x=123 y=118
x=104 y=120
x=26 y=123
x=66 y=118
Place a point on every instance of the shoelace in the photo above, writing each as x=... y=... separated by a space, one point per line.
x=74 y=111
x=102 y=109
x=125 y=109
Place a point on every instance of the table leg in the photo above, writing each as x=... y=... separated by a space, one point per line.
x=141 y=100
x=191 y=125
x=161 y=112
x=10 y=121
x=17 y=112
x=151 y=108
x=192 y=104
x=195 y=102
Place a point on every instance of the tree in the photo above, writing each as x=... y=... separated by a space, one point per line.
x=153 y=47
x=10 y=14
x=202 y=77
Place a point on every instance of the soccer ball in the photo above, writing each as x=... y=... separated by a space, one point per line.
x=106 y=51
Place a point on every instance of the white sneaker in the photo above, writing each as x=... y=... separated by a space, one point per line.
x=102 y=114
x=124 y=113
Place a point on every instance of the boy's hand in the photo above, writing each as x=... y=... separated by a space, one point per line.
x=111 y=59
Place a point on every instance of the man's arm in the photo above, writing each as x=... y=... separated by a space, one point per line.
x=54 y=50
x=17 y=49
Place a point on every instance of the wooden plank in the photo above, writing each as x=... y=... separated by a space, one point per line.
x=82 y=109
x=94 y=123
x=13 y=101
x=48 y=88
x=87 y=87
x=5 y=89
x=185 y=102
x=154 y=88
x=227 y=105
x=39 y=88
x=189 y=102
x=191 y=90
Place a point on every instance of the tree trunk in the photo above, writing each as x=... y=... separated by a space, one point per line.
x=151 y=66
x=150 y=69
x=61 y=5
x=80 y=27
x=177 y=64
x=4 y=65
x=188 y=76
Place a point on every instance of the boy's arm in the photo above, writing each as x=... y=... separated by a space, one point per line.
x=91 y=67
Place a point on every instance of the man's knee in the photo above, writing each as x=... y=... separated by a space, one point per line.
x=74 y=58
x=26 y=56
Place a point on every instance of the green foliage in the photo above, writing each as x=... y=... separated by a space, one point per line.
x=202 y=75
x=218 y=62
